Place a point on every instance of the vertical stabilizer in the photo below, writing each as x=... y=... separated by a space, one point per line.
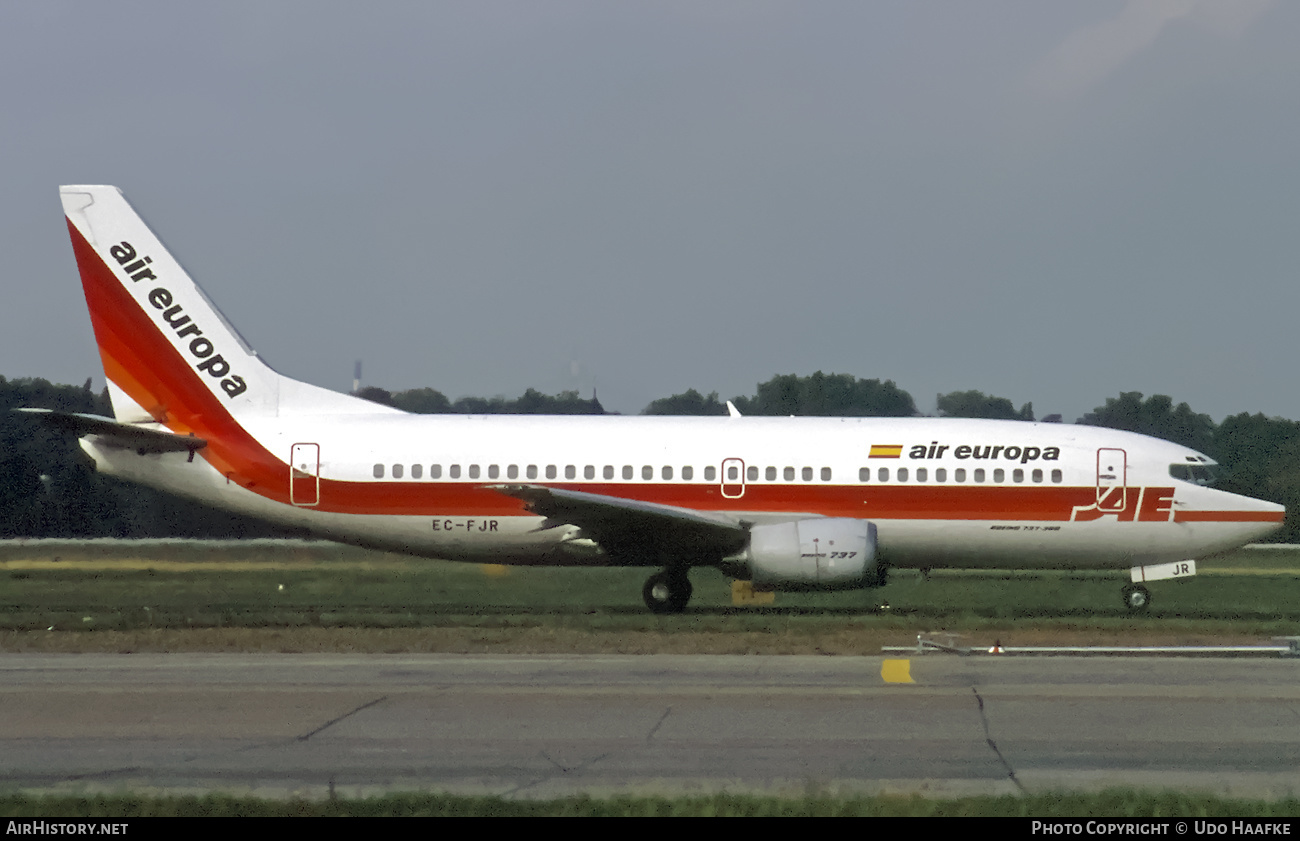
x=164 y=346
x=168 y=353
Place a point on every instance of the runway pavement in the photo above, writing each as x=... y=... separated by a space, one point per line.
x=543 y=726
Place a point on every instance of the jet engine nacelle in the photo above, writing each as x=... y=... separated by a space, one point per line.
x=833 y=553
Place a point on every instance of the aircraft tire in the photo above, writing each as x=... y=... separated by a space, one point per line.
x=667 y=592
x=1137 y=598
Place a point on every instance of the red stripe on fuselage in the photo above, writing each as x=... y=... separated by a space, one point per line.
x=1229 y=516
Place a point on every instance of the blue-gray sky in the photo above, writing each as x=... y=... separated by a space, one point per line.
x=1050 y=202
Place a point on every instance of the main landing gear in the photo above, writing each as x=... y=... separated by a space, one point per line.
x=1136 y=598
x=667 y=591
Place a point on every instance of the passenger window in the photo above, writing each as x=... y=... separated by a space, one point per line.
x=710 y=473
x=1017 y=475
x=379 y=471
x=864 y=474
x=647 y=472
x=1038 y=475
x=959 y=475
x=493 y=471
x=733 y=473
x=770 y=474
x=979 y=474
x=884 y=474
x=531 y=473
x=921 y=474
x=902 y=474
x=609 y=471
x=688 y=473
x=512 y=471
x=397 y=471
x=999 y=475
x=454 y=471
x=627 y=471
x=589 y=472
x=417 y=470
x=788 y=473
x=940 y=475
x=570 y=471
x=667 y=473
x=826 y=474
x=1056 y=476
x=473 y=471
x=435 y=471
x=807 y=474
x=752 y=473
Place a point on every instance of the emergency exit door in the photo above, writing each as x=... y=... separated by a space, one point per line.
x=733 y=478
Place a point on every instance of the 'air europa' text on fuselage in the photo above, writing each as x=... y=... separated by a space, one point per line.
x=982 y=451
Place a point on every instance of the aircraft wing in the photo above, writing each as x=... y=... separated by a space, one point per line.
x=634 y=529
x=142 y=439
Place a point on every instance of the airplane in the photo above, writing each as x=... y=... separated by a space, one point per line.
x=782 y=503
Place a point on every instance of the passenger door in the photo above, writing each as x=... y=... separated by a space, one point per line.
x=304 y=474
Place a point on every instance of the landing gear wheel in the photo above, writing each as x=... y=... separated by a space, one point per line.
x=667 y=592
x=1137 y=598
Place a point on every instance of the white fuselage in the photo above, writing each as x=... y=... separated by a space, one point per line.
x=942 y=492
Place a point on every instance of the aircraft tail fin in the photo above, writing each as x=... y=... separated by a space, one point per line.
x=168 y=353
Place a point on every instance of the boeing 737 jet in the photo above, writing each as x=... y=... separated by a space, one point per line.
x=785 y=503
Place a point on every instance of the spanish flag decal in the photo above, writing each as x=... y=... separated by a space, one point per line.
x=886 y=451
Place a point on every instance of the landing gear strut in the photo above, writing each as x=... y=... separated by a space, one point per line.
x=1136 y=597
x=667 y=591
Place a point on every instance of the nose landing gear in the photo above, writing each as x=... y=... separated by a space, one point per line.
x=1136 y=598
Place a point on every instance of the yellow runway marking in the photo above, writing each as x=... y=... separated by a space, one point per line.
x=896 y=671
x=742 y=593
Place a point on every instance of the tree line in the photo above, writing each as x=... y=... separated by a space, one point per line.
x=48 y=487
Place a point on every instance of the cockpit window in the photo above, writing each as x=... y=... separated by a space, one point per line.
x=1198 y=474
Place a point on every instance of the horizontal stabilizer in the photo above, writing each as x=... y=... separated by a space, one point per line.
x=142 y=439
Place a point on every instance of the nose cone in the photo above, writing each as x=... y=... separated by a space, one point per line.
x=1226 y=521
x=1271 y=515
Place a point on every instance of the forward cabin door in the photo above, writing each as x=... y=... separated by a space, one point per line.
x=304 y=474
x=1112 y=480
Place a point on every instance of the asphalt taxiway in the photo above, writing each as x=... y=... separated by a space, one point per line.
x=543 y=726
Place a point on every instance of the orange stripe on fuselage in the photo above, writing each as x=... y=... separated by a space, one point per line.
x=1229 y=516
x=876 y=502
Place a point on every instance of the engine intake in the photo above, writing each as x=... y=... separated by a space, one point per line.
x=834 y=553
